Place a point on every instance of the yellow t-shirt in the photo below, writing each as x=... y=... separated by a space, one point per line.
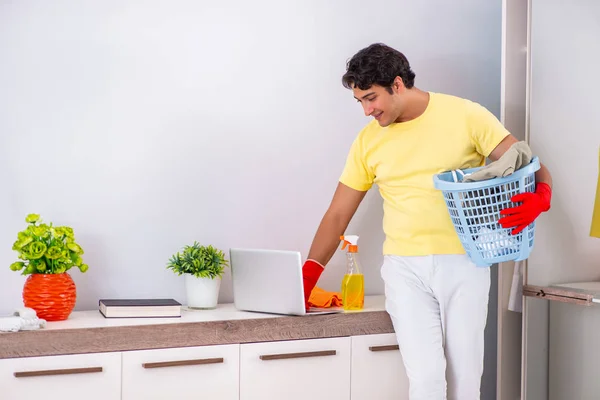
x=402 y=158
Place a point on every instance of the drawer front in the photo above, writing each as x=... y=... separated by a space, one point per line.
x=377 y=368
x=296 y=370
x=205 y=372
x=71 y=377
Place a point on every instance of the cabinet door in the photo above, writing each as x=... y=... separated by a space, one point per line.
x=377 y=369
x=186 y=373
x=514 y=116
x=316 y=369
x=72 y=377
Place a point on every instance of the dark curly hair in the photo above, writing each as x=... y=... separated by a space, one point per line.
x=377 y=64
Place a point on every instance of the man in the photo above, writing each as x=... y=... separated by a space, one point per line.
x=436 y=297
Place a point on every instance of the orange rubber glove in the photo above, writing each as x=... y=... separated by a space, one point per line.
x=311 y=271
x=533 y=204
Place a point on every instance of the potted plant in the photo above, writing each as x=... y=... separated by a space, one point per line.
x=202 y=267
x=47 y=252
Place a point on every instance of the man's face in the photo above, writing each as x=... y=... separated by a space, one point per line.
x=379 y=103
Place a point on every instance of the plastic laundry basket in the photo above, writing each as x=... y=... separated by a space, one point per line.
x=474 y=209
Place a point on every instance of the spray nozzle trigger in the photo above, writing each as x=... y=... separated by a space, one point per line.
x=352 y=241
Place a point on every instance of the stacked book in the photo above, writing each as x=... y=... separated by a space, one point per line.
x=139 y=308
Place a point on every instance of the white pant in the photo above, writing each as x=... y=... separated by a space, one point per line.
x=438 y=306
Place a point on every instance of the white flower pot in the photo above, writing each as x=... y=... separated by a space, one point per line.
x=202 y=293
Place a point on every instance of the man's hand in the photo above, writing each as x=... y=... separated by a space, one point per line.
x=311 y=271
x=533 y=204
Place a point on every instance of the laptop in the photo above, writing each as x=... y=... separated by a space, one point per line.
x=270 y=281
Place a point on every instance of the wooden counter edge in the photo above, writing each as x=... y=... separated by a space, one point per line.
x=186 y=334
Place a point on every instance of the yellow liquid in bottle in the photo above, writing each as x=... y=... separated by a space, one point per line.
x=353 y=291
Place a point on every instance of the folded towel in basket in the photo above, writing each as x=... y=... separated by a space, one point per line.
x=517 y=156
x=495 y=243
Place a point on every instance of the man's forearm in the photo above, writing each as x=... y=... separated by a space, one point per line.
x=327 y=238
x=543 y=175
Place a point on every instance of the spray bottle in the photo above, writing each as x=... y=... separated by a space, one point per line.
x=353 y=284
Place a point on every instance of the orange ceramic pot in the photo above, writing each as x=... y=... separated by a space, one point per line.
x=52 y=296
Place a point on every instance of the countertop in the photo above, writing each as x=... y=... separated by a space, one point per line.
x=590 y=287
x=89 y=332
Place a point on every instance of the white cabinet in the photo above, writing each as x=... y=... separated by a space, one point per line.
x=207 y=372
x=71 y=377
x=346 y=368
x=316 y=369
x=377 y=369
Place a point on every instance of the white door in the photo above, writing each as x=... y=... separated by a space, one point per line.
x=73 y=377
x=316 y=369
x=377 y=368
x=564 y=120
x=513 y=117
x=187 y=373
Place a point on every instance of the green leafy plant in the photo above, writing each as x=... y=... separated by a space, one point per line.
x=200 y=261
x=46 y=249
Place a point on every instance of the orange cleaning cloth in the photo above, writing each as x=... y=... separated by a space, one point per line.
x=321 y=298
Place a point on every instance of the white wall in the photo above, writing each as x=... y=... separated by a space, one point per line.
x=565 y=54
x=146 y=126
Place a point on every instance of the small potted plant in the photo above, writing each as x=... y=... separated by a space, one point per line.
x=203 y=268
x=47 y=252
